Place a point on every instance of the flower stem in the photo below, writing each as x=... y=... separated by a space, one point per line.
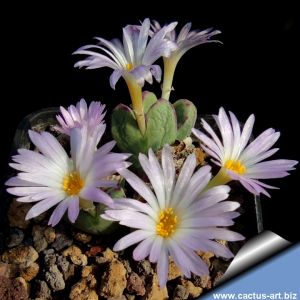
x=170 y=64
x=220 y=179
x=136 y=95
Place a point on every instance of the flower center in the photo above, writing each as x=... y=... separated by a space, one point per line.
x=235 y=166
x=167 y=223
x=73 y=183
x=129 y=67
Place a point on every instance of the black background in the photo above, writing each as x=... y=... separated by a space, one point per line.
x=255 y=71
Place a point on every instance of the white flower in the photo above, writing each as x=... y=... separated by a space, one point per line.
x=177 y=220
x=80 y=116
x=49 y=177
x=239 y=159
x=185 y=40
x=135 y=56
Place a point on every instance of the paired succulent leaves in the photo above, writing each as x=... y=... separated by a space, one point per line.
x=165 y=123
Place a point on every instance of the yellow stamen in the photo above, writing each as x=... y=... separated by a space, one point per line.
x=235 y=166
x=73 y=183
x=167 y=223
x=129 y=67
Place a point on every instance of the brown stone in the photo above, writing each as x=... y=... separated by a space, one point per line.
x=174 y=271
x=94 y=251
x=40 y=242
x=86 y=271
x=50 y=234
x=55 y=278
x=41 y=290
x=84 y=289
x=144 y=267
x=114 y=280
x=106 y=257
x=83 y=237
x=76 y=255
x=15 y=238
x=109 y=255
x=200 y=156
x=136 y=284
x=72 y=250
x=154 y=291
x=17 y=213
x=5 y=270
x=9 y=270
x=193 y=291
x=22 y=255
x=30 y=272
x=13 y=289
x=180 y=293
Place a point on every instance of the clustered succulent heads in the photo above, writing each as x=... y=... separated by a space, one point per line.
x=173 y=214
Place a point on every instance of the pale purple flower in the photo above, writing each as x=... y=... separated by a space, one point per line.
x=135 y=55
x=80 y=116
x=49 y=177
x=239 y=159
x=187 y=38
x=177 y=219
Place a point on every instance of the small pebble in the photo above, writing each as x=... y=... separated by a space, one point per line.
x=174 y=271
x=144 y=267
x=114 y=280
x=82 y=237
x=180 y=293
x=154 y=291
x=50 y=234
x=67 y=268
x=193 y=291
x=42 y=290
x=50 y=257
x=30 y=272
x=62 y=241
x=22 y=255
x=84 y=289
x=55 y=278
x=5 y=270
x=16 y=214
x=136 y=284
x=86 y=271
x=40 y=242
x=76 y=255
x=94 y=251
x=13 y=289
x=16 y=237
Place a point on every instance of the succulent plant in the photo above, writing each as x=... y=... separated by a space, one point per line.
x=165 y=123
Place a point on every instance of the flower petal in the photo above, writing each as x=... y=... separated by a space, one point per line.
x=163 y=268
x=73 y=208
x=96 y=195
x=184 y=178
x=139 y=186
x=143 y=249
x=156 y=249
x=131 y=239
x=42 y=206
